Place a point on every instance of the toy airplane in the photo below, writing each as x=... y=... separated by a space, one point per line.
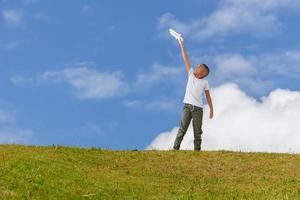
x=176 y=35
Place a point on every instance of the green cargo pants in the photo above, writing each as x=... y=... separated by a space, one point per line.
x=190 y=112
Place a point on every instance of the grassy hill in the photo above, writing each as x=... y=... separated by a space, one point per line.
x=33 y=172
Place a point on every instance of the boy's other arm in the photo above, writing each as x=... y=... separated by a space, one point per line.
x=184 y=55
x=208 y=98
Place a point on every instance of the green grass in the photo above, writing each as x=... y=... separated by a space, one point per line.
x=34 y=172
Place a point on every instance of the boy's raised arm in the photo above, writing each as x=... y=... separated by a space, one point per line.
x=184 y=55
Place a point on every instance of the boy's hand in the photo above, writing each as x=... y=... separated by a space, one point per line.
x=211 y=113
x=181 y=41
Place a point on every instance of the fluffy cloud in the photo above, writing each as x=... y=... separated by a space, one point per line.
x=254 y=16
x=285 y=63
x=90 y=83
x=245 y=71
x=243 y=124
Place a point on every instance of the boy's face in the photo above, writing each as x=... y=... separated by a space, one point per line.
x=200 y=71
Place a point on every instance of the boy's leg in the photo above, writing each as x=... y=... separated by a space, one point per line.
x=197 y=115
x=184 y=124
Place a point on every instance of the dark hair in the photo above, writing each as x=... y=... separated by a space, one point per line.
x=206 y=68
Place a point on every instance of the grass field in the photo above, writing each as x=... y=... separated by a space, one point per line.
x=57 y=172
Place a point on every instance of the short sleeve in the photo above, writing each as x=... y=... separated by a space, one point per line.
x=206 y=85
x=191 y=70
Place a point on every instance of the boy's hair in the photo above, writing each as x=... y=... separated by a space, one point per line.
x=206 y=68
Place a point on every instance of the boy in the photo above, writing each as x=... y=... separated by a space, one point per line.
x=193 y=106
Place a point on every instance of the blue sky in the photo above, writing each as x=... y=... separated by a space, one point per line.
x=107 y=73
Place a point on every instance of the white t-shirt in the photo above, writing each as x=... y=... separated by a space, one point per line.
x=194 y=89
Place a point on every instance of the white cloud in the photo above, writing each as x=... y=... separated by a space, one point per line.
x=245 y=71
x=12 y=16
x=285 y=63
x=241 y=123
x=90 y=83
x=229 y=65
x=251 y=16
x=158 y=74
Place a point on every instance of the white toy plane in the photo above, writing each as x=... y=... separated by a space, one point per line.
x=176 y=35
